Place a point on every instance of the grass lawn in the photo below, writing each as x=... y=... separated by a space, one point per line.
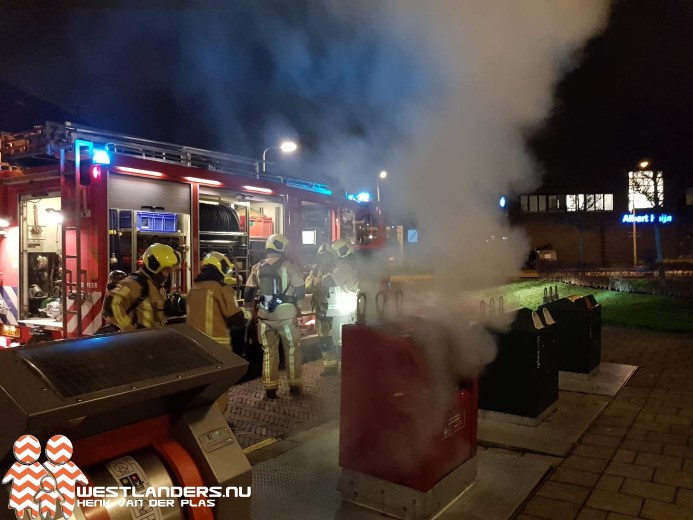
x=660 y=313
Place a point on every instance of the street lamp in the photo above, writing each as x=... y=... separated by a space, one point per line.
x=286 y=147
x=381 y=175
x=643 y=165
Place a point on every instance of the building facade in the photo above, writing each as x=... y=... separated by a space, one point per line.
x=596 y=227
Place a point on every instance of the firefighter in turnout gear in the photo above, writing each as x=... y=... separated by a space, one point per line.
x=139 y=300
x=278 y=285
x=342 y=286
x=212 y=306
x=319 y=303
x=114 y=278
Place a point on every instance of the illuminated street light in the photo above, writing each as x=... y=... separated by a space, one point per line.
x=644 y=164
x=286 y=147
x=381 y=175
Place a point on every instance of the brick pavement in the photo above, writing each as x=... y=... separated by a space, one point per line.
x=636 y=461
x=256 y=418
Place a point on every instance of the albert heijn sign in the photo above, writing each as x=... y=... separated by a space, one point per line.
x=647 y=218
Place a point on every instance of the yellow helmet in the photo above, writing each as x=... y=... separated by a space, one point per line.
x=276 y=243
x=158 y=257
x=342 y=248
x=221 y=263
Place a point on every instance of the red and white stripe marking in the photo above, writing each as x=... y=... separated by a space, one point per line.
x=91 y=315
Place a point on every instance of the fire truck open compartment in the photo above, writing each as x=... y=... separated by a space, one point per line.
x=40 y=261
x=237 y=224
x=141 y=213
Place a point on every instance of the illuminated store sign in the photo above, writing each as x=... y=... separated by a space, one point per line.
x=646 y=219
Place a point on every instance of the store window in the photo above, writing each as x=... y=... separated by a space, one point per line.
x=645 y=190
x=571 y=202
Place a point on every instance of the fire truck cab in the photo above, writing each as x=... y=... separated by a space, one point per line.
x=79 y=202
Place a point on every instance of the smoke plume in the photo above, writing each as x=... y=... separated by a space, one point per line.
x=494 y=64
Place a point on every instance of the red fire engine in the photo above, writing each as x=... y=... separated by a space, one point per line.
x=79 y=202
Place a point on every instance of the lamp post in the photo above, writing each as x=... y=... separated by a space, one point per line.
x=381 y=175
x=635 y=240
x=286 y=147
x=643 y=165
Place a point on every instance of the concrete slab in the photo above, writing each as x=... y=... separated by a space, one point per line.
x=608 y=380
x=402 y=502
x=302 y=483
x=556 y=435
x=518 y=419
x=503 y=484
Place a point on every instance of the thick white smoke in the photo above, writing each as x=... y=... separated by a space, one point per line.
x=496 y=62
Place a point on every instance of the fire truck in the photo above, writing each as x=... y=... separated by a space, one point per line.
x=77 y=202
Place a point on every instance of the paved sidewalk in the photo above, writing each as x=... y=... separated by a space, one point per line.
x=259 y=420
x=636 y=461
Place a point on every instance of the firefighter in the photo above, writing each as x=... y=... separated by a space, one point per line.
x=212 y=306
x=139 y=300
x=343 y=286
x=279 y=286
x=114 y=278
x=324 y=265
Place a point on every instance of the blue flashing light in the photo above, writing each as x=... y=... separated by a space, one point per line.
x=364 y=196
x=502 y=202
x=101 y=157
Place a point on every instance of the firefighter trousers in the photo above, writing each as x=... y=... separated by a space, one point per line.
x=327 y=346
x=287 y=333
x=337 y=322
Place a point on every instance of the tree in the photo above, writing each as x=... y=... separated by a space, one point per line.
x=580 y=204
x=646 y=190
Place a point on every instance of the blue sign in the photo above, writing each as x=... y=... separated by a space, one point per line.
x=412 y=236
x=646 y=219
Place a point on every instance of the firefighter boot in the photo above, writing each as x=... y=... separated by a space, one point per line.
x=329 y=357
x=271 y=394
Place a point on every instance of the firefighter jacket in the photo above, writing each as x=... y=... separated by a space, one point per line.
x=211 y=305
x=133 y=306
x=320 y=294
x=343 y=287
x=290 y=286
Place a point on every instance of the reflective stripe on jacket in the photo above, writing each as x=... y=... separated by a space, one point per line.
x=148 y=314
x=209 y=305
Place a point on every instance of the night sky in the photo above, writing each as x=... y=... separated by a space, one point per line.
x=236 y=79
x=240 y=78
x=629 y=99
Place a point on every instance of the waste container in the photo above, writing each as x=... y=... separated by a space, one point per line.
x=523 y=379
x=579 y=332
x=396 y=424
